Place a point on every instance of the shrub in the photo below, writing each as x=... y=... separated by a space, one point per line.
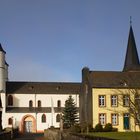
x=52 y=127
x=108 y=127
x=114 y=129
x=98 y=128
x=75 y=128
x=86 y=127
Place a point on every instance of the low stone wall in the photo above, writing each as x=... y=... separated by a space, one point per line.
x=57 y=135
x=66 y=136
x=5 y=135
x=52 y=134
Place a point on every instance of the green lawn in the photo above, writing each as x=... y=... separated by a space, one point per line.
x=118 y=135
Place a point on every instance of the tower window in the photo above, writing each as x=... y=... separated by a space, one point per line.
x=43 y=118
x=10 y=100
x=58 y=103
x=30 y=103
x=39 y=103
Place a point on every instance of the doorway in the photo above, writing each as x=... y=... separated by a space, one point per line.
x=28 y=124
x=126 y=121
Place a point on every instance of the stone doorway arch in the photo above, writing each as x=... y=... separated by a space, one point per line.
x=28 y=124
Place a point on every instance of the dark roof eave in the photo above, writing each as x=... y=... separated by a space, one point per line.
x=42 y=88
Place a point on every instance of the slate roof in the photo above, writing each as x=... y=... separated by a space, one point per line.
x=1 y=49
x=32 y=109
x=131 y=59
x=42 y=88
x=112 y=79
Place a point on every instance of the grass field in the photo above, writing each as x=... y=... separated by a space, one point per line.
x=118 y=135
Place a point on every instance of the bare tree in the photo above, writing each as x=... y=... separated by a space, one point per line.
x=129 y=99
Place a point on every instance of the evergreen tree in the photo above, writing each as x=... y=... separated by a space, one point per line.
x=70 y=113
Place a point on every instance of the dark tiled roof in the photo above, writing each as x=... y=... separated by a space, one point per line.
x=1 y=49
x=42 y=88
x=131 y=59
x=114 y=79
x=33 y=110
x=6 y=63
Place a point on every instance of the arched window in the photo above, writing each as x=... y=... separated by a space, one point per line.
x=10 y=100
x=58 y=118
x=30 y=103
x=10 y=121
x=39 y=103
x=43 y=118
x=58 y=103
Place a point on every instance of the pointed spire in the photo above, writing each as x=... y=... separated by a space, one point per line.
x=1 y=49
x=131 y=59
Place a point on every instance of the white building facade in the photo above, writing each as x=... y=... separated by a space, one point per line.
x=33 y=106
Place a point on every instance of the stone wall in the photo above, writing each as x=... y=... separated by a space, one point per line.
x=57 y=135
x=52 y=134
x=66 y=136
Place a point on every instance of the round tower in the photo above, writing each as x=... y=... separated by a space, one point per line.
x=2 y=70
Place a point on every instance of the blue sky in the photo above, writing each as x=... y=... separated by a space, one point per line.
x=52 y=40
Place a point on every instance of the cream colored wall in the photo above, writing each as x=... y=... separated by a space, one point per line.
x=22 y=100
x=108 y=109
x=17 y=118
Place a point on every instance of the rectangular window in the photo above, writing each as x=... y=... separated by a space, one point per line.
x=114 y=119
x=102 y=100
x=126 y=100
x=137 y=100
x=137 y=119
x=102 y=119
x=114 y=100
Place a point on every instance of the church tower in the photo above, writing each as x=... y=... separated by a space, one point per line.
x=131 y=58
x=2 y=70
x=3 y=79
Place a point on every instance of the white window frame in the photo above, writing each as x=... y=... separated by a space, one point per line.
x=114 y=100
x=114 y=119
x=102 y=118
x=102 y=100
x=126 y=100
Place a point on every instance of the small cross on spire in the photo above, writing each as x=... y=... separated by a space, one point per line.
x=130 y=20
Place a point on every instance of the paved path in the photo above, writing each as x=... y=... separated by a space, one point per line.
x=30 y=137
